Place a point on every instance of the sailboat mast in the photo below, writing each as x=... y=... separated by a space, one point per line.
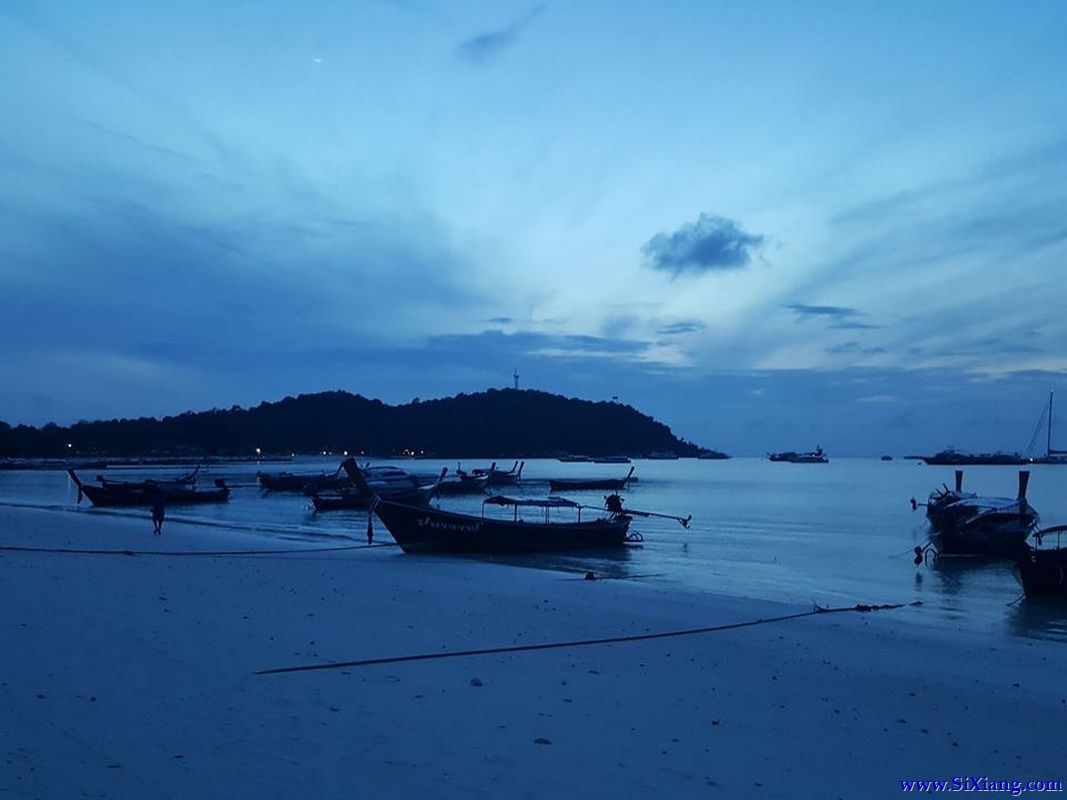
x=1048 y=443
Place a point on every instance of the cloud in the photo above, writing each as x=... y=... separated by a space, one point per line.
x=854 y=326
x=836 y=312
x=500 y=320
x=711 y=243
x=676 y=328
x=487 y=47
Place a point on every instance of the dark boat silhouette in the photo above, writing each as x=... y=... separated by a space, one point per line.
x=578 y=484
x=307 y=482
x=391 y=482
x=951 y=457
x=816 y=456
x=499 y=478
x=420 y=529
x=968 y=524
x=147 y=493
x=1043 y=573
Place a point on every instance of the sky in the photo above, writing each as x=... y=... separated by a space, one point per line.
x=770 y=225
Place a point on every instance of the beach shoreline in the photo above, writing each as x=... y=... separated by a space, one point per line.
x=136 y=677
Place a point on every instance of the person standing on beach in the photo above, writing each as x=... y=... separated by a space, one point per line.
x=159 y=513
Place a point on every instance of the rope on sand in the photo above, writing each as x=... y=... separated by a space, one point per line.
x=77 y=552
x=816 y=611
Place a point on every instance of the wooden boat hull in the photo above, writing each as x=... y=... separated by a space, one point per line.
x=109 y=497
x=578 y=484
x=1043 y=573
x=428 y=530
x=355 y=501
x=1007 y=540
x=468 y=485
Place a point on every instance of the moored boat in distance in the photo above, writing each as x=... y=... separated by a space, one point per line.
x=712 y=455
x=611 y=460
x=951 y=457
x=499 y=478
x=570 y=459
x=816 y=456
x=463 y=482
x=579 y=484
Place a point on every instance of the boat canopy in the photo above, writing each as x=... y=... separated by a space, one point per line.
x=547 y=502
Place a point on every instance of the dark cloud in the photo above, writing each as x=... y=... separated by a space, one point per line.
x=854 y=326
x=500 y=320
x=844 y=347
x=710 y=244
x=676 y=328
x=487 y=47
x=853 y=347
x=836 y=312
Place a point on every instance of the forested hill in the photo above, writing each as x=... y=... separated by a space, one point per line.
x=504 y=422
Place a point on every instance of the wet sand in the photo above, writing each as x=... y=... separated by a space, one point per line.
x=135 y=677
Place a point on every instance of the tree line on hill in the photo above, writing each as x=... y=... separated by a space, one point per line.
x=497 y=422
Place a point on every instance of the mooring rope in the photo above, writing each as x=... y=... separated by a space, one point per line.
x=638 y=637
x=74 y=551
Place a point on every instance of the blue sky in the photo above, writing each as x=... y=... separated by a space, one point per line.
x=769 y=224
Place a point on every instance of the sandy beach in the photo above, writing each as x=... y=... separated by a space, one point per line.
x=135 y=677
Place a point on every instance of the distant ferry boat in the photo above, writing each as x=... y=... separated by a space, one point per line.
x=951 y=457
x=816 y=456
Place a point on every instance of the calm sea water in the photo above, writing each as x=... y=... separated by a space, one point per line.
x=836 y=533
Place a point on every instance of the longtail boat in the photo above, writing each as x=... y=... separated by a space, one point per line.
x=464 y=483
x=500 y=478
x=181 y=482
x=148 y=494
x=577 y=484
x=968 y=524
x=1044 y=572
x=307 y=482
x=391 y=482
x=430 y=530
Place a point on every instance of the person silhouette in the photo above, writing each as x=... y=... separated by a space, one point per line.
x=159 y=512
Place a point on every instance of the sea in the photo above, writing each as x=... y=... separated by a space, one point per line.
x=829 y=534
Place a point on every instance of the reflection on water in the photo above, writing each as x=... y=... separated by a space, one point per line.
x=832 y=534
x=614 y=564
x=1042 y=618
x=965 y=574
